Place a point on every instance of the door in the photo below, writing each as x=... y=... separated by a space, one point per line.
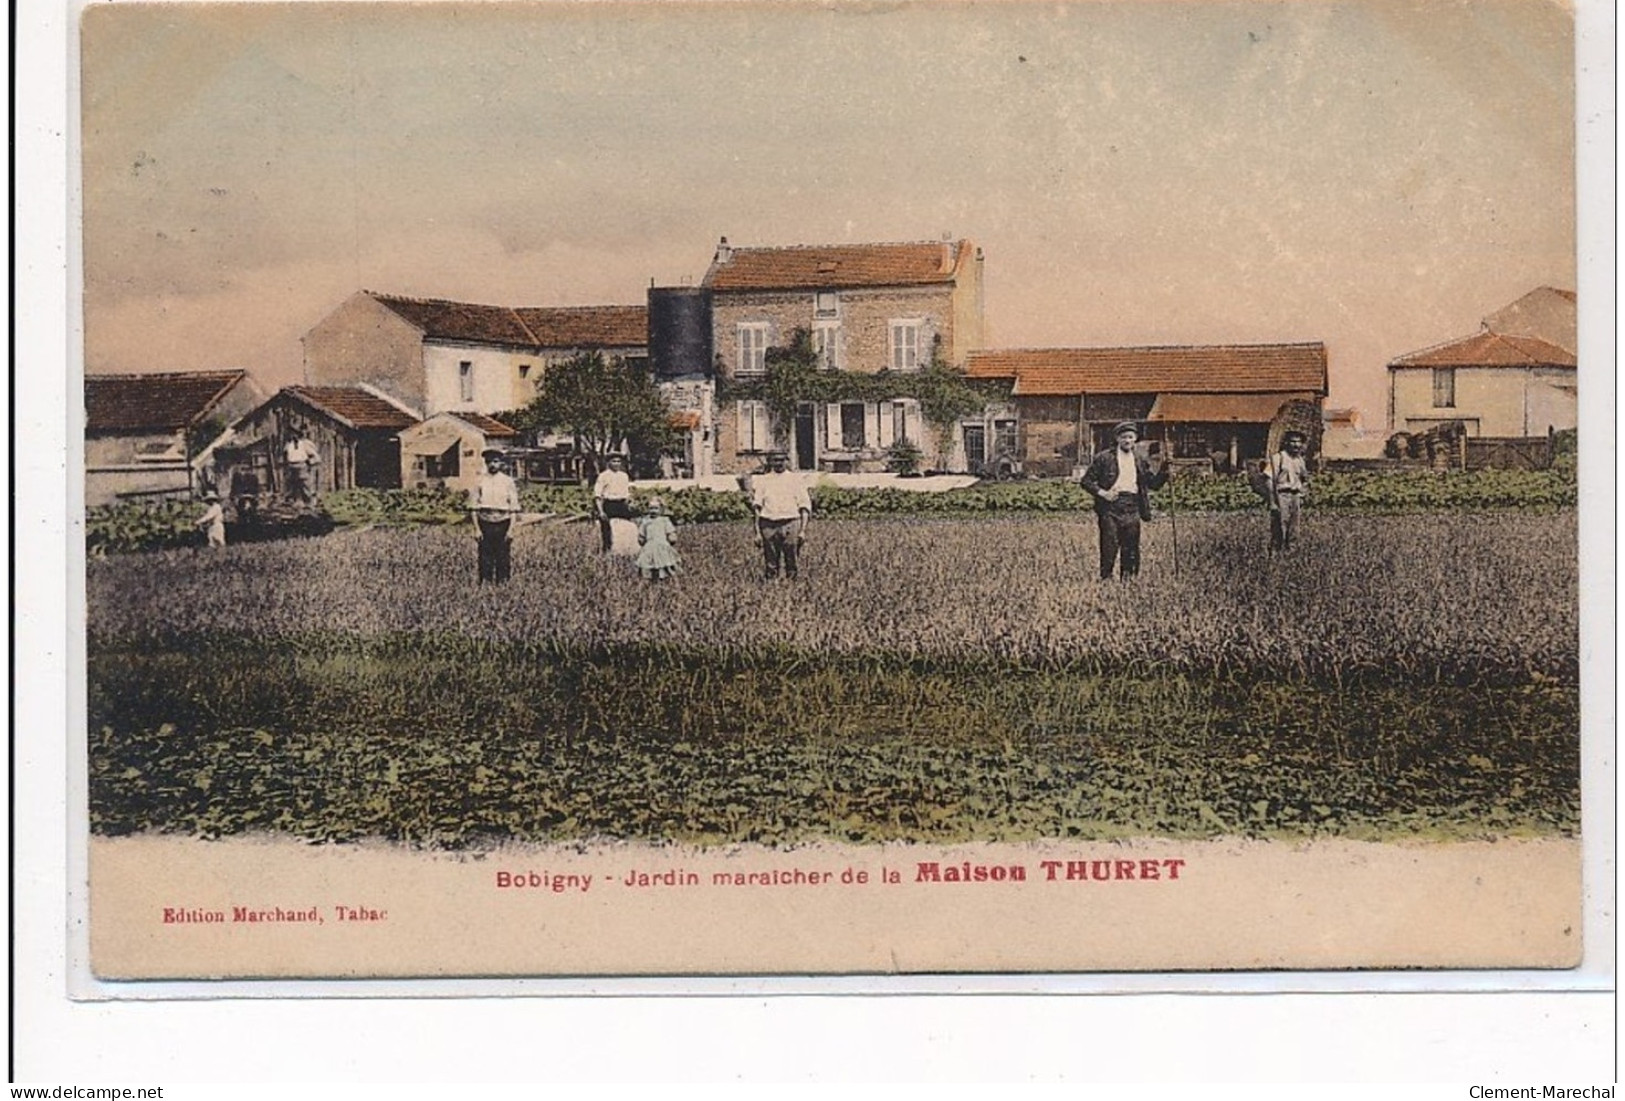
x=806 y=442
x=975 y=447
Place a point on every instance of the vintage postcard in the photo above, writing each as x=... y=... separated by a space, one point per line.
x=600 y=489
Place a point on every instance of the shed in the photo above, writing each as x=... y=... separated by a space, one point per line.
x=141 y=430
x=445 y=449
x=356 y=429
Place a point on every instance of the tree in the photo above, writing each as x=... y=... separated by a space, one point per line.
x=606 y=405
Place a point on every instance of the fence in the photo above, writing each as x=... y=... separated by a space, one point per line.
x=1509 y=452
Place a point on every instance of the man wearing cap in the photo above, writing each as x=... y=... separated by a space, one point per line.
x=783 y=507
x=611 y=499
x=1120 y=480
x=1289 y=481
x=494 y=503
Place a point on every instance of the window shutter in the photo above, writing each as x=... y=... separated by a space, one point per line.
x=832 y=426
x=764 y=427
x=884 y=435
x=912 y=426
x=745 y=426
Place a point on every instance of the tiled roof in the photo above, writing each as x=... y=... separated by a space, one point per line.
x=832 y=267
x=353 y=406
x=1195 y=369
x=168 y=402
x=1545 y=313
x=444 y=320
x=1487 y=349
x=586 y=326
x=1221 y=408
x=523 y=326
x=488 y=426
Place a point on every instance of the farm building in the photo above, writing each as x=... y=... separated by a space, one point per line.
x=142 y=431
x=356 y=430
x=869 y=308
x=435 y=355
x=1513 y=379
x=445 y=449
x=1206 y=404
x=1344 y=436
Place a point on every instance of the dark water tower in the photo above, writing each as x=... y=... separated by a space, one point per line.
x=680 y=332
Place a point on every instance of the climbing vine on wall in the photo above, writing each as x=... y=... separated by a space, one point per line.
x=793 y=375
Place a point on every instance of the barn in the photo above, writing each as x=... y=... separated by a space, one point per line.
x=356 y=429
x=1206 y=405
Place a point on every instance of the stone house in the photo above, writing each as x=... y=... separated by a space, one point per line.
x=869 y=308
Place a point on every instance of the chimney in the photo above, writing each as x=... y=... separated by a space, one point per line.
x=725 y=251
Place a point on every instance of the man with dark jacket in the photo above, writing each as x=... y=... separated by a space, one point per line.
x=1121 y=480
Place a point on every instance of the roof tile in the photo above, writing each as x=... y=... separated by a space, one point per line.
x=354 y=406
x=167 y=402
x=918 y=263
x=1487 y=349
x=524 y=326
x=1193 y=369
x=586 y=326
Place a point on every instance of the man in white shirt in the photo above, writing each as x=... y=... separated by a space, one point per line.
x=1289 y=481
x=783 y=507
x=1120 y=480
x=611 y=498
x=302 y=457
x=494 y=502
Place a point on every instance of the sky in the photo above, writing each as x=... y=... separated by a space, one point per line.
x=1378 y=175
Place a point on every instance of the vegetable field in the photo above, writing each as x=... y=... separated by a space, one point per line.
x=925 y=679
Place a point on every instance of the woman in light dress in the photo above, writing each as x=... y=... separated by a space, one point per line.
x=657 y=559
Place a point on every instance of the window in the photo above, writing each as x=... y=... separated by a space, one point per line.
x=1444 y=388
x=826 y=305
x=524 y=370
x=1004 y=438
x=753 y=348
x=852 y=424
x=904 y=353
x=465 y=380
x=444 y=465
x=160 y=451
x=826 y=337
x=899 y=420
x=755 y=427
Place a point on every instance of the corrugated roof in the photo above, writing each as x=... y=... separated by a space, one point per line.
x=1487 y=349
x=1222 y=408
x=353 y=406
x=167 y=402
x=523 y=326
x=1195 y=369
x=586 y=326
x=815 y=267
x=488 y=426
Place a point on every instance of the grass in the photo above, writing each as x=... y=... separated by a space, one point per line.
x=925 y=680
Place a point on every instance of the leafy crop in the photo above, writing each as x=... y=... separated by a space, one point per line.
x=928 y=679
